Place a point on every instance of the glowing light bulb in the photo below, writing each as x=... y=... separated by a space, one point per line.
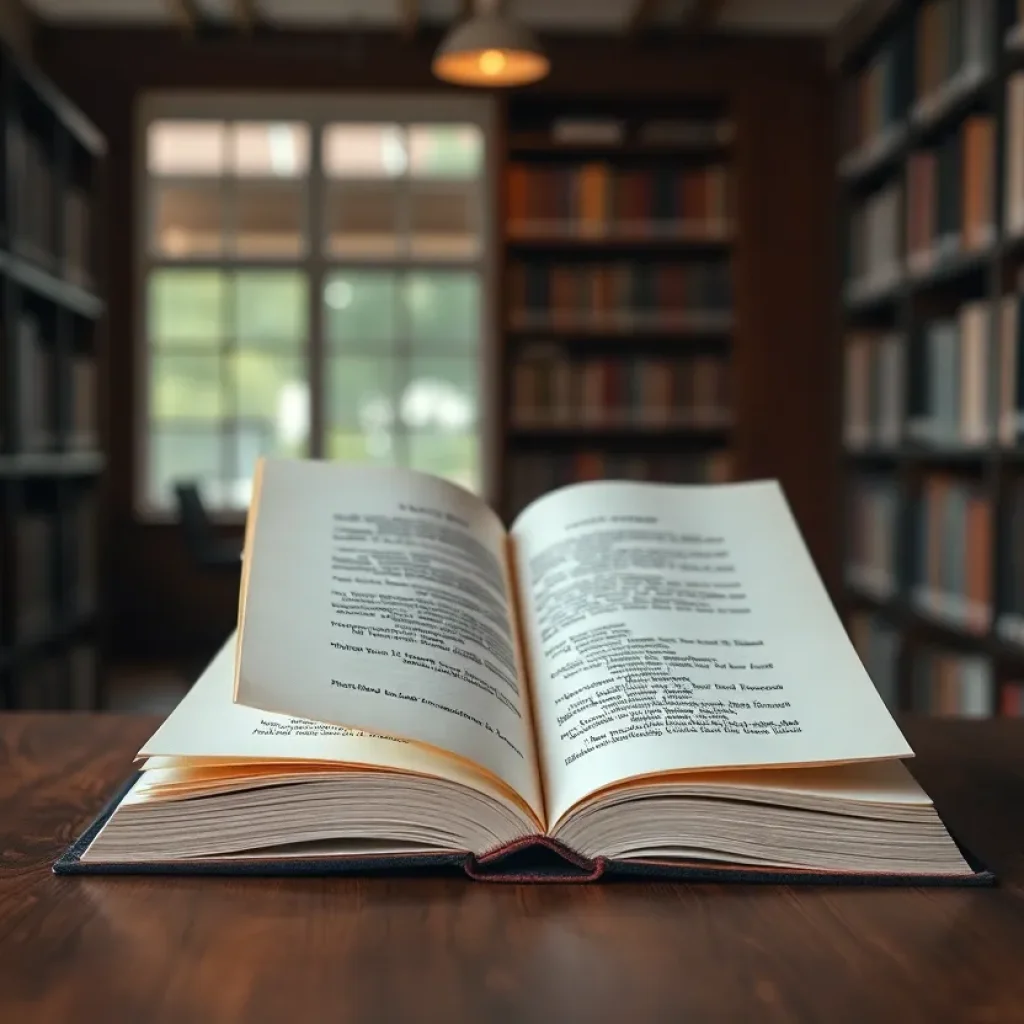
x=492 y=62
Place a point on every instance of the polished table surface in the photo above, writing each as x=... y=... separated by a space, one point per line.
x=178 y=950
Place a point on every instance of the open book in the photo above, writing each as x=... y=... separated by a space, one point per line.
x=636 y=677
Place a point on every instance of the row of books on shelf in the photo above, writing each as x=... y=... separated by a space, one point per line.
x=944 y=682
x=952 y=404
x=533 y=475
x=871 y=536
x=69 y=680
x=40 y=553
x=597 y=200
x=951 y=196
x=952 y=535
x=1011 y=620
x=549 y=388
x=953 y=684
x=621 y=295
x=36 y=401
x=878 y=643
x=655 y=132
x=874 y=383
x=951 y=400
x=38 y=200
x=917 y=70
x=950 y=203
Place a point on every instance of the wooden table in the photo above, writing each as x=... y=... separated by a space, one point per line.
x=177 y=951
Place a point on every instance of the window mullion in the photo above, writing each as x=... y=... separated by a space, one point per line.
x=315 y=353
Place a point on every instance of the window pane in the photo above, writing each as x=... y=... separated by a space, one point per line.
x=188 y=220
x=186 y=147
x=185 y=387
x=455 y=457
x=360 y=410
x=269 y=220
x=440 y=394
x=444 y=310
x=363 y=220
x=270 y=149
x=445 y=220
x=186 y=308
x=180 y=451
x=271 y=394
x=445 y=150
x=360 y=311
x=364 y=151
x=271 y=308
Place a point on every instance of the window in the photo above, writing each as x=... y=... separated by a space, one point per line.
x=314 y=285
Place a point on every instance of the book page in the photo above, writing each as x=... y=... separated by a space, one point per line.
x=680 y=628
x=207 y=732
x=379 y=599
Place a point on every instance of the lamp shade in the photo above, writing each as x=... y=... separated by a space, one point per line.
x=490 y=51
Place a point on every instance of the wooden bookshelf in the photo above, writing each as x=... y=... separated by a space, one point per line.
x=51 y=461
x=620 y=230
x=931 y=514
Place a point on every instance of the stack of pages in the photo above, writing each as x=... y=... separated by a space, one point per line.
x=633 y=679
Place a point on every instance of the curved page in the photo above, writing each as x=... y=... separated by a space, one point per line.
x=379 y=600
x=672 y=628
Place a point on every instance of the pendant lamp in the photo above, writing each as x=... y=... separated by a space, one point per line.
x=490 y=51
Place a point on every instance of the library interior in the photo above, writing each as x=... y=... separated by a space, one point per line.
x=715 y=241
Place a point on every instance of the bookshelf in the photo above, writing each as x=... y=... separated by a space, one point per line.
x=932 y=180
x=51 y=461
x=618 y=314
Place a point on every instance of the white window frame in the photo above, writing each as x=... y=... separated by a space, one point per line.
x=318 y=110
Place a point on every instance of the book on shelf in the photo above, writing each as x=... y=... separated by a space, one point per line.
x=1014 y=144
x=1010 y=390
x=954 y=44
x=532 y=475
x=1011 y=699
x=951 y=196
x=586 y=131
x=951 y=406
x=84 y=426
x=876 y=101
x=33 y=572
x=35 y=398
x=875 y=389
x=874 y=254
x=634 y=677
x=685 y=132
x=1010 y=624
x=550 y=388
x=951 y=684
x=624 y=295
x=34 y=190
x=878 y=643
x=78 y=236
x=872 y=536
x=599 y=200
x=953 y=545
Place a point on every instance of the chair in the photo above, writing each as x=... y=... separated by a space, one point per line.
x=208 y=549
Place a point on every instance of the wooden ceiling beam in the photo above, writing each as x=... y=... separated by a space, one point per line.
x=702 y=16
x=246 y=14
x=185 y=13
x=641 y=16
x=410 y=18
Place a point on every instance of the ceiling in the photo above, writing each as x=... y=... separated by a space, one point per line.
x=752 y=16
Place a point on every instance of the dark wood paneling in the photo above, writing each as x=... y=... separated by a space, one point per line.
x=159 y=603
x=168 y=950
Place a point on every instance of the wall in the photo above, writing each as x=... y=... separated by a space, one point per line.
x=782 y=101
